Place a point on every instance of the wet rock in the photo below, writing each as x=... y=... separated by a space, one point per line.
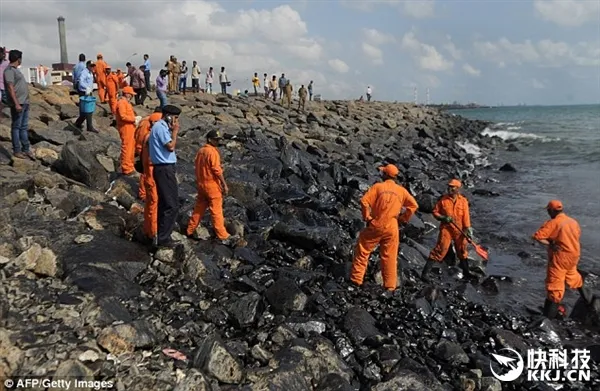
x=508 y=339
x=334 y=382
x=194 y=381
x=512 y=148
x=360 y=325
x=507 y=167
x=72 y=369
x=202 y=269
x=404 y=379
x=246 y=310
x=79 y=163
x=490 y=384
x=16 y=197
x=213 y=358
x=451 y=352
x=284 y=296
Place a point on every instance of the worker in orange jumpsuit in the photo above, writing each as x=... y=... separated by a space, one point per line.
x=452 y=210
x=142 y=130
x=112 y=89
x=101 y=77
x=561 y=234
x=126 y=126
x=382 y=211
x=150 y=193
x=121 y=78
x=211 y=187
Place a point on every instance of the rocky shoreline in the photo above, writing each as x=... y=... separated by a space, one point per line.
x=81 y=296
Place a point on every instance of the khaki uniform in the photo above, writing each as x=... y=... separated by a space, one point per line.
x=302 y=98
x=288 y=95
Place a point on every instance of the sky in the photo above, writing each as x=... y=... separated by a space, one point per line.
x=483 y=51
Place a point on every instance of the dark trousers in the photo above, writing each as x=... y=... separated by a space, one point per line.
x=147 y=79
x=223 y=88
x=168 y=200
x=87 y=117
x=140 y=96
x=195 y=85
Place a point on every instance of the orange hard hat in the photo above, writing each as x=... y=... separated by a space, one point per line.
x=99 y=55
x=155 y=117
x=454 y=183
x=128 y=90
x=390 y=170
x=554 y=205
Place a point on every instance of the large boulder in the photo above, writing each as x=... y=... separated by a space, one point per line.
x=78 y=162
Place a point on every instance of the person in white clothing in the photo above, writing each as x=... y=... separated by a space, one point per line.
x=223 y=80
x=266 y=85
x=368 y=93
x=209 y=80
x=195 y=77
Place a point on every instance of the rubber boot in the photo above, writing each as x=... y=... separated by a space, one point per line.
x=464 y=265
x=427 y=270
x=586 y=293
x=550 y=309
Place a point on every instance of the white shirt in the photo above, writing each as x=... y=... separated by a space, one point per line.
x=223 y=77
x=266 y=82
x=369 y=90
x=209 y=77
x=196 y=72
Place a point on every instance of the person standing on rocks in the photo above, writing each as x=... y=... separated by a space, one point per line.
x=196 y=77
x=112 y=89
x=161 y=145
x=210 y=76
x=211 y=187
x=561 y=234
x=3 y=65
x=86 y=87
x=282 y=83
x=452 y=210
x=77 y=70
x=382 y=211
x=171 y=71
x=101 y=77
x=255 y=83
x=147 y=67
x=301 y=98
x=183 y=75
x=126 y=126
x=141 y=131
x=161 y=87
x=18 y=99
x=139 y=85
x=273 y=87
x=149 y=185
x=266 y=85
x=288 y=94
x=310 y=90
x=368 y=93
x=223 y=81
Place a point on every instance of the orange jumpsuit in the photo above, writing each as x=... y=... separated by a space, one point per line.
x=121 y=78
x=151 y=207
x=101 y=80
x=208 y=170
x=563 y=233
x=126 y=126
x=458 y=209
x=141 y=132
x=112 y=89
x=381 y=207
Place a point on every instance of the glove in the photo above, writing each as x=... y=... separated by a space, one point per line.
x=446 y=219
x=88 y=91
x=137 y=120
x=469 y=233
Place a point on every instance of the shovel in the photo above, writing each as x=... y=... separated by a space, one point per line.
x=482 y=252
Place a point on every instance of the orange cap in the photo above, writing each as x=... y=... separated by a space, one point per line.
x=155 y=117
x=390 y=170
x=554 y=205
x=455 y=183
x=128 y=90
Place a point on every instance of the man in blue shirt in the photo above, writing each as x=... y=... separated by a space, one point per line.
x=161 y=145
x=77 y=71
x=85 y=87
x=147 y=71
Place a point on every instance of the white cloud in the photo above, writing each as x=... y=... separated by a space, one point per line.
x=419 y=8
x=538 y=85
x=544 y=53
x=471 y=71
x=568 y=13
x=376 y=37
x=245 y=41
x=426 y=56
x=338 y=65
x=452 y=49
x=374 y=54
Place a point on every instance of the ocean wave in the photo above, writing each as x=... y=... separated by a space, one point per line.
x=513 y=128
x=507 y=135
x=469 y=148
